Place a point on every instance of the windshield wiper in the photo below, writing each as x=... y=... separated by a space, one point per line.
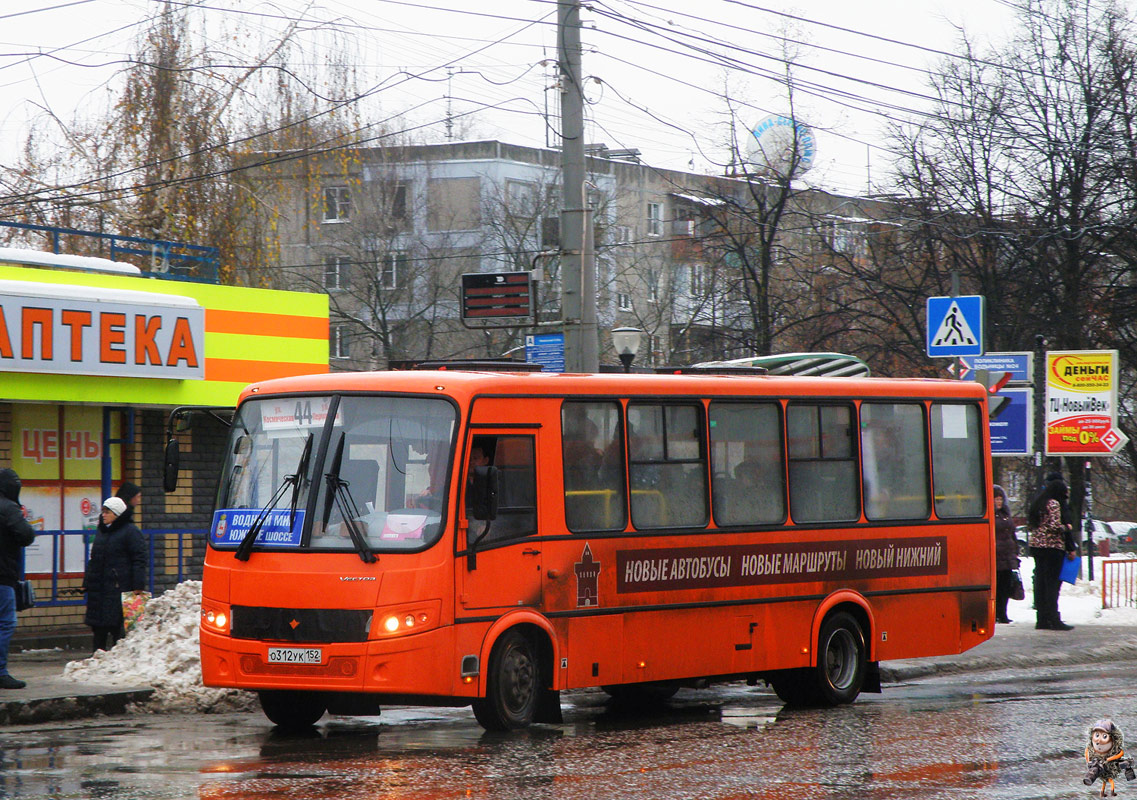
x=301 y=471
x=339 y=493
x=245 y=548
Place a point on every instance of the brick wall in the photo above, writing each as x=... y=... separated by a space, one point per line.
x=189 y=507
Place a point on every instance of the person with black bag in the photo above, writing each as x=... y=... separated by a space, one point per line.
x=1006 y=555
x=15 y=534
x=117 y=564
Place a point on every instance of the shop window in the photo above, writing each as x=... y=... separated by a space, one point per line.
x=57 y=451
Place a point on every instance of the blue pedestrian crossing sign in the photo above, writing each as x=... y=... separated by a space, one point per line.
x=955 y=326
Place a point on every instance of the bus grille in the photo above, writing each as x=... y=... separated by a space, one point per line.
x=300 y=624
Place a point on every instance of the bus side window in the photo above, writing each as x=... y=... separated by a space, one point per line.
x=894 y=461
x=958 y=476
x=666 y=466
x=748 y=463
x=517 y=488
x=593 y=450
x=823 y=463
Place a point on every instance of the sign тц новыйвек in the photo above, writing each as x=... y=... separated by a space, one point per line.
x=1081 y=403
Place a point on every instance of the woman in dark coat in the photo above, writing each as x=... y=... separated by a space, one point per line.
x=1006 y=554
x=1051 y=543
x=117 y=564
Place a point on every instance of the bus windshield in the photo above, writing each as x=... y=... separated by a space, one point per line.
x=377 y=472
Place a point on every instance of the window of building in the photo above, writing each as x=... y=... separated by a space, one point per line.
x=654 y=353
x=823 y=463
x=393 y=274
x=843 y=236
x=623 y=301
x=335 y=273
x=399 y=202
x=894 y=461
x=666 y=466
x=655 y=219
x=593 y=443
x=748 y=476
x=652 y=286
x=337 y=204
x=698 y=274
x=454 y=204
x=337 y=344
x=957 y=460
x=521 y=199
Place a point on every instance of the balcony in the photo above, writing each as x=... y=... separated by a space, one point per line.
x=156 y=258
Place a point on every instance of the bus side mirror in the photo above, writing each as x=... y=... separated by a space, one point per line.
x=172 y=461
x=481 y=499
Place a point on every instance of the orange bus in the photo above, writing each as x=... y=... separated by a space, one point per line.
x=448 y=537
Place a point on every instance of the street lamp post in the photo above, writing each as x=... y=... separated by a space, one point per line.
x=627 y=344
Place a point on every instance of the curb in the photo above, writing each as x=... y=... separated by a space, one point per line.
x=74 y=706
x=1116 y=651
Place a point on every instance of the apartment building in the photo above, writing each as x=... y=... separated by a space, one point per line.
x=707 y=266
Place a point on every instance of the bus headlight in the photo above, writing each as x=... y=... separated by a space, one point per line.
x=407 y=619
x=214 y=618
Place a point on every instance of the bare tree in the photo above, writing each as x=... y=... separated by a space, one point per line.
x=158 y=163
x=1024 y=176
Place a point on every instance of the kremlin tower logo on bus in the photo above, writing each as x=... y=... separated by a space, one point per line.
x=587 y=579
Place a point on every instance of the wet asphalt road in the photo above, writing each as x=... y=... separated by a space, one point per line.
x=1009 y=734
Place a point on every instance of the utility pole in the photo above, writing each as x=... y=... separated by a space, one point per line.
x=1039 y=410
x=578 y=263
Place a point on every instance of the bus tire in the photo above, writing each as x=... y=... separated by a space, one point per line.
x=794 y=687
x=292 y=711
x=513 y=685
x=841 y=660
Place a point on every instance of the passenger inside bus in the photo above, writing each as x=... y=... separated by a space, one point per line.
x=481 y=449
x=517 y=488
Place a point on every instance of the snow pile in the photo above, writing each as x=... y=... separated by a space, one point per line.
x=1078 y=604
x=161 y=650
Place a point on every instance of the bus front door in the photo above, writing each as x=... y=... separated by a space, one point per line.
x=502 y=562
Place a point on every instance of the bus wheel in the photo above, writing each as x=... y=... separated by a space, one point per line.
x=840 y=660
x=512 y=685
x=292 y=711
x=794 y=687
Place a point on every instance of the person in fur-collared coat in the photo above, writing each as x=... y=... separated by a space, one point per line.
x=117 y=564
x=1105 y=757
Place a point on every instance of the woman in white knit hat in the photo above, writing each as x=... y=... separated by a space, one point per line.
x=117 y=564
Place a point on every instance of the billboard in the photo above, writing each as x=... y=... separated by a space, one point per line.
x=1081 y=403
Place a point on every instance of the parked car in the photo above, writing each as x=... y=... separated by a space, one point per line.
x=1022 y=536
x=1120 y=535
x=1125 y=536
